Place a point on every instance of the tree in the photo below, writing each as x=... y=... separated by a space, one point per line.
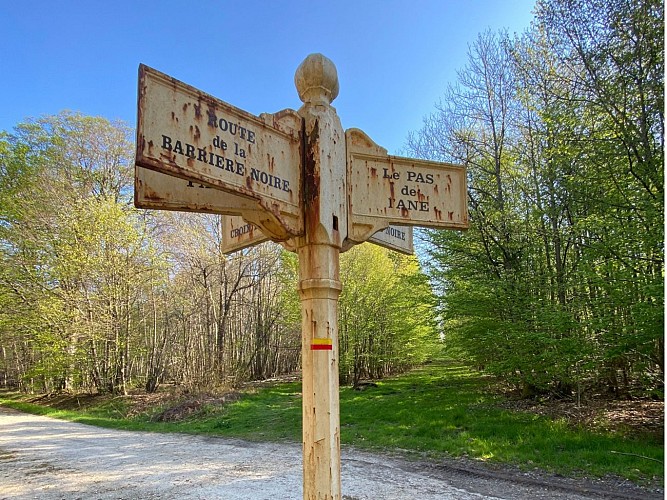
x=557 y=287
x=69 y=249
x=99 y=296
x=386 y=322
x=615 y=54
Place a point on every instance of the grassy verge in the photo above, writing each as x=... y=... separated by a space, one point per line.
x=440 y=410
x=449 y=410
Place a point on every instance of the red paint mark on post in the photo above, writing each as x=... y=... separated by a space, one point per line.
x=320 y=344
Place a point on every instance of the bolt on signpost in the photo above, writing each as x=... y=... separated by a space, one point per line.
x=299 y=179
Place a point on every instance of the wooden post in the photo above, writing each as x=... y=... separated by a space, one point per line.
x=325 y=207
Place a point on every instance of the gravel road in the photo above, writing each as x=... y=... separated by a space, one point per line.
x=44 y=458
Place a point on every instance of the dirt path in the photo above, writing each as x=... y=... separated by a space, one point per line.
x=51 y=459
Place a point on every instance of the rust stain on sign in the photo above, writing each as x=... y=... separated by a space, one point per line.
x=401 y=190
x=235 y=152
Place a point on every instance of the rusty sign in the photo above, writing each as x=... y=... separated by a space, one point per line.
x=161 y=191
x=238 y=234
x=186 y=133
x=398 y=238
x=385 y=189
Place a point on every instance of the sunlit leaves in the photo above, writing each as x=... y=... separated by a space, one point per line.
x=557 y=286
x=386 y=321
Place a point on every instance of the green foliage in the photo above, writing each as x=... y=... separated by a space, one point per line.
x=386 y=321
x=558 y=285
x=71 y=252
x=290 y=304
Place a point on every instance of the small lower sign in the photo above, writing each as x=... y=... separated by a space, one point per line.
x=238 y=234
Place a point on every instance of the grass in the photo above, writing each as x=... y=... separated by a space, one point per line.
x=448 y=410
x=439 y=410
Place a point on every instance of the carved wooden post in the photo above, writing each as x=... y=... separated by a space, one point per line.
x=324 y=188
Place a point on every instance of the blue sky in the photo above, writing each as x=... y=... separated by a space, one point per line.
x=394 y=58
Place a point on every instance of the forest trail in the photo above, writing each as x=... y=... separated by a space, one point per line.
x=46 y=458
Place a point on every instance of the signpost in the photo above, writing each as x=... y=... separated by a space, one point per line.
x=299 y=179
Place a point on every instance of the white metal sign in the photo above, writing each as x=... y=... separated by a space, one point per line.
x=238 y=234
x=398 y=238
x=186 y=133
x=386 y=189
